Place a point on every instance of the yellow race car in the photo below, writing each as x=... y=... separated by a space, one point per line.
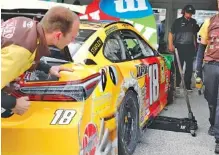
x=119 y=83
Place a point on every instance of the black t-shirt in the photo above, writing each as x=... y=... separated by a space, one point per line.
x=184 y=30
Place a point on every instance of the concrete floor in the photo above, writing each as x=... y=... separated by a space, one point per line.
x=158 y=142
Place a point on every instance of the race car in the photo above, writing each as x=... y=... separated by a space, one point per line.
x=119 y=83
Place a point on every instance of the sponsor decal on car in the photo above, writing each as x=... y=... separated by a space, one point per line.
x=90 y=139
x=63 y=117
x=142 y=70
x=111 y=29
x=96 y=46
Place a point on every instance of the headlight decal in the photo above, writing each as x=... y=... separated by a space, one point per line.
x=113 y=75
x=103 y=82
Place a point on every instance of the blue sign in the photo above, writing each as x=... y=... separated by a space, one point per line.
x=126 y=8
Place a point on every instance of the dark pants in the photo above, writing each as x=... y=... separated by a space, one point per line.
x=211 y=82
x=186 y=54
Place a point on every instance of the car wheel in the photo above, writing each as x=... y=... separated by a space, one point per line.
x=128 y=124
x=172 y=85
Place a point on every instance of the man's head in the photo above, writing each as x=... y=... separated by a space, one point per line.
x=61 y=26
x=188 y=11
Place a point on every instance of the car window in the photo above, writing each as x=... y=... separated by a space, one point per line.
x=83 y=35
x=113 y=50
x=69 y=51
x=136 y=47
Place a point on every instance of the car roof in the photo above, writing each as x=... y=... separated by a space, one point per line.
x=95 y=25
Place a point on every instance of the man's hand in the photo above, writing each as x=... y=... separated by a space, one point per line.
x=198 y=83
x=22 y=105
x=170 y=41
x=171 y=48
x=54 y=70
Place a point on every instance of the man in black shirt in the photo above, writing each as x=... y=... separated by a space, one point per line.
x=183 y=37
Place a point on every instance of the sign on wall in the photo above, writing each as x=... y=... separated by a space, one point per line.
x=200 y=15
x=137 y=12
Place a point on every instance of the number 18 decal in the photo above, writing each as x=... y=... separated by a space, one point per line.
x=154 y=83
x=63 y=117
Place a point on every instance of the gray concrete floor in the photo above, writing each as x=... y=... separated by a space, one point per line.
x=158 y=142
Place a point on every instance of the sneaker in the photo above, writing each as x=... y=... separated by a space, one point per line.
x=216 y=148
x=189 y=89
x=211 y=131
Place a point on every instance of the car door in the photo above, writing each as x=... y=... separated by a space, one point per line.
x=150 y=65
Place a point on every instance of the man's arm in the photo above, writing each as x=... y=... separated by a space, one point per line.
x=170 y=41
x=195 y=32
x=199 y=59
x=42 y=66
x=53 y=70
x=202 y=47
x=171 y=37
x=10 y=105
x=7 y=101
x=15 y=60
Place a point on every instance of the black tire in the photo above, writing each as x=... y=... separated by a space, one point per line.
x=172 y=85
x=129 y=111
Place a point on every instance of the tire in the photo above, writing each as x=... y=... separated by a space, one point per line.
x=129 y=111
x=172 y=85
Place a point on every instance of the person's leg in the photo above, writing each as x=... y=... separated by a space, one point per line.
x=216 y=124
x=211 y=91
x=189 y=57
x=180 y=49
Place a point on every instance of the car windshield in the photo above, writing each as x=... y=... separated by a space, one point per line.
x=83 y=35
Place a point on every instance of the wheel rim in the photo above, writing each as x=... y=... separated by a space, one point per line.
x=129 y=127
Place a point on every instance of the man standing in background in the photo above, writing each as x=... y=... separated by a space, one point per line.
x=161 y=34
x=183 y=37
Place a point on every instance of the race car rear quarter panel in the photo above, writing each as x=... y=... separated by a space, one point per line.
x=40 y=123
x=39 y=132
x=82 y=130
x=104 y=102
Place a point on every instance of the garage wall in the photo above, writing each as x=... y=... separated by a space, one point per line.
x=173 y=5
x=199 y=4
